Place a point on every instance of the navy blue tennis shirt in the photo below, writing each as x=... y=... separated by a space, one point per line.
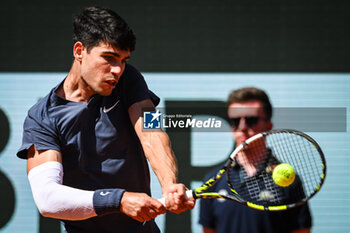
x=99 y=146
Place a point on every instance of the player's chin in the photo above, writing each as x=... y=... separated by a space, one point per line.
x=105 y=92
x=105 y=89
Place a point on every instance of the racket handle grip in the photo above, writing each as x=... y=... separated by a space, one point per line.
x=188 y=194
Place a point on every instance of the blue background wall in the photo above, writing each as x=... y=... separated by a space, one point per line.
x=309 y=39
x=330 y=208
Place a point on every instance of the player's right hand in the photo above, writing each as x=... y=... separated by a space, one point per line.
x=140 y=206
x=176 y=200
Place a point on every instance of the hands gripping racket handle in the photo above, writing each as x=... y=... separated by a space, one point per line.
x=188 y=194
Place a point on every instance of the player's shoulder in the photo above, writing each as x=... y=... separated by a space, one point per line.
x=40 y=109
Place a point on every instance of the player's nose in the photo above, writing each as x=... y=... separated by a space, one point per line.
x=117 y=70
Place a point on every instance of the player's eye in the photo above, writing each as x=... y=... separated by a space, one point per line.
x=109 y=59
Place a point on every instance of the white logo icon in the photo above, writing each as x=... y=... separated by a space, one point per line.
x=156 y=115
x=104 y=193
x=151 y=120
x=105 y=110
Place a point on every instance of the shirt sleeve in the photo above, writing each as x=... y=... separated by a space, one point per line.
x=38 y=131
x=133 y=88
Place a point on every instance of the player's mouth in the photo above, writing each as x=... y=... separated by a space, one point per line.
x=112 y=83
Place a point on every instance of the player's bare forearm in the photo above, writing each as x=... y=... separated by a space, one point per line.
x=156 y=145
x=161 y=157
x=157 y=148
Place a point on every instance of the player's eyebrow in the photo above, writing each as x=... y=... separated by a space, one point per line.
x=114 y=54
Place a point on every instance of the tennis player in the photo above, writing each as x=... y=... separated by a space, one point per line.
x=84 y=144
x=249 y=113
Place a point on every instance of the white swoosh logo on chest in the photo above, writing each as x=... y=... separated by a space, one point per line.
x=105 y=110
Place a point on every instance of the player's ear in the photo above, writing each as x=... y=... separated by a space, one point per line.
x=78 y=50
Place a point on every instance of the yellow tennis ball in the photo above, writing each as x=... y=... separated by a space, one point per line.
x=283 y=174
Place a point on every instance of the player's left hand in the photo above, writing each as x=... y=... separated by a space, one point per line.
x=175 y=199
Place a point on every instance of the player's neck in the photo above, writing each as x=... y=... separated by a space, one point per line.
x=74 y=88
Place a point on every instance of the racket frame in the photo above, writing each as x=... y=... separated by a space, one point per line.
x=200 y=191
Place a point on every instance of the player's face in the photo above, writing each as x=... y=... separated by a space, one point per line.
x=246 y=120
x=102 y=67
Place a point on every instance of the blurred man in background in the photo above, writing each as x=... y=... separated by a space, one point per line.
x=249 y=113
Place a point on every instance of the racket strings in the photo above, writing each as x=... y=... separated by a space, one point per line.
x=287 y=149
x=302 y=155
x=257 y=160
x=256 y=184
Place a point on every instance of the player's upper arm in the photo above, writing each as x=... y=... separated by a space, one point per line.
x=208 y=230
x=302 y=231
x=146 y=137
x=136 y=115
x=35 y=157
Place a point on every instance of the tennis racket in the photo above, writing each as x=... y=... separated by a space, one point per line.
x=250 y=167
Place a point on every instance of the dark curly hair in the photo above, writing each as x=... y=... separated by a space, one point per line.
x=97 y=24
